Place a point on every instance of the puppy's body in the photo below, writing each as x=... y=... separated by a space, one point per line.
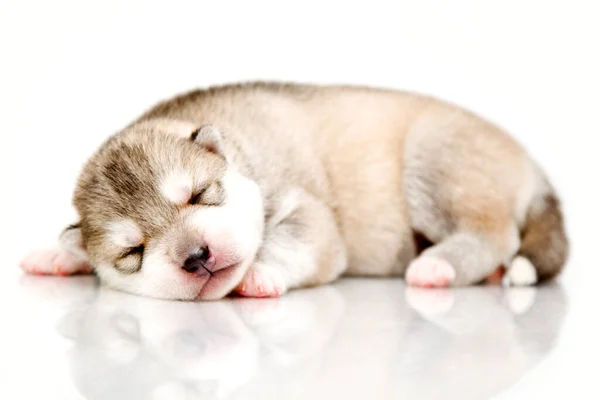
x=344 y=175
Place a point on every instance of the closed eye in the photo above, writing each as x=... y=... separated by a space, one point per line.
x=133 y=251
x=130 y=260
x=197 y=198
x=211 y=195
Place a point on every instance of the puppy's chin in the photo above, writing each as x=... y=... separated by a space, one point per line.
x=222 y=282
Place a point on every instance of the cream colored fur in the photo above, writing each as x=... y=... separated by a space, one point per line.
x=348 y=174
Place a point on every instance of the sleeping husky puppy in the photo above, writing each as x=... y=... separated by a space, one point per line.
x=259 y=188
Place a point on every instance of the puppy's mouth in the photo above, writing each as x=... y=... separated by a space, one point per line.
x=216 y=282
x=212 y=271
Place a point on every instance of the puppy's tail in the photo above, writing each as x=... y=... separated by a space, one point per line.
x=544 y=239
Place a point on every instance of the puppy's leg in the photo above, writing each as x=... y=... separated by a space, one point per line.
x=464 y=257
x=67 y=258
x=468 y=213
x=302 y=247
x=468 y=186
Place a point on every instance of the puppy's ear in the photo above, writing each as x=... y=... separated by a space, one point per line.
x=210 y=138
x=71 y=241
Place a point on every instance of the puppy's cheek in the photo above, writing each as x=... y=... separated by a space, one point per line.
x=231 y=238
x=236 y=227
x=161 y=277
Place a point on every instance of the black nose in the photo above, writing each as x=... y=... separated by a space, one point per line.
x=197 y=260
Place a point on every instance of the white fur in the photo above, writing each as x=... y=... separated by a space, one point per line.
x=239 y=221
x=72 y=242
x=286 y=205
x=177 y=187
x=124 y=233
x=285 y=259
x=233 y=231
x=521 y=272
x=541 y=189
x=527 y=192
x=295 y=260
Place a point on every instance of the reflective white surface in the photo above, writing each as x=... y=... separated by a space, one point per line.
x=357 y=339
x=73 y=72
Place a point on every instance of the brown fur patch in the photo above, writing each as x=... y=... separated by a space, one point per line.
x=120 y=181
x=544 y=241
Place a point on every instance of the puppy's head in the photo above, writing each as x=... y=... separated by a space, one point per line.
x=163 y=213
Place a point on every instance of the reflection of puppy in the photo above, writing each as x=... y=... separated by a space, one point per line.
x=160 y=346
x=261 y=188
x=146 y=348
x=476 y=337
x=394 y=345
x=356 y=339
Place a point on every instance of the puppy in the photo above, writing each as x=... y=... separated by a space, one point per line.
x=259 y=188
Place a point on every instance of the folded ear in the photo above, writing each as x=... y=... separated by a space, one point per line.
x=210 y=138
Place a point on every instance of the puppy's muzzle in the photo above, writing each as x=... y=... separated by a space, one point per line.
x=199 y=261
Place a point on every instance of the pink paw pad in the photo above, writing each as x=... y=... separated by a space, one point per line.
x=53 y=262
x=261 y=282
x=430 y=272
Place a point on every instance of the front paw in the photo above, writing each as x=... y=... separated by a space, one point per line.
x=262 y=281
x=54 y=261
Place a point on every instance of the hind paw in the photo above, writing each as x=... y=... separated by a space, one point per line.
x=428 y=271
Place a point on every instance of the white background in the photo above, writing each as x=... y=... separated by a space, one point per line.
x=72 y=73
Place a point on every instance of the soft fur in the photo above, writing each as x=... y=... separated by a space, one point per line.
x=294 y=185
